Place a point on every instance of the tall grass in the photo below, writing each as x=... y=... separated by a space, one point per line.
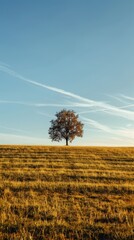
x=66 y=193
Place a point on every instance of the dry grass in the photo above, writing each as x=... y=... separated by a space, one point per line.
x=66 y=193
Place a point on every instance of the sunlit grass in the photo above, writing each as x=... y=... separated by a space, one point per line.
x=66 y=193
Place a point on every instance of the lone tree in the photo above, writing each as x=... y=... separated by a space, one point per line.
x=65 y=126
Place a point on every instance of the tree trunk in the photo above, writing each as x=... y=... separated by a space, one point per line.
x=66 y=141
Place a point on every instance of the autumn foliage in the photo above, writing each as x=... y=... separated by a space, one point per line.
x=65 y=126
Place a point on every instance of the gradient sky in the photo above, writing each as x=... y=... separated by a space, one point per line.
x=71 y=54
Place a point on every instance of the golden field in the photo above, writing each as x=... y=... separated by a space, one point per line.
x=65 y=193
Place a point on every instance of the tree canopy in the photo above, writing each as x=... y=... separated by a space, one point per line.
x=65 y=126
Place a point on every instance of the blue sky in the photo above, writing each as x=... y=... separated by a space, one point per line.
x=71 y=54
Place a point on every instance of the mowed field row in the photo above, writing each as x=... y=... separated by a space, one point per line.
x=66 y=193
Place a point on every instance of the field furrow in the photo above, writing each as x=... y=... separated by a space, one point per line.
x=66 y=193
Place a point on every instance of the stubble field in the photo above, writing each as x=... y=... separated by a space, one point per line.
x=65 y=193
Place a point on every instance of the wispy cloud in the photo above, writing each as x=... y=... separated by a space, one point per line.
x=127 y=106
x=4 y=64
x=31 y=104
x=118 y=98
x=122 y=132
x=45 y=104
x=54 y=89
x=96 y=124
x=82 y=102
x=109 y=109
x=12 y=129
x=127 y=97
x=52 y=105
x=45 y=114
x=6 y=138
x=15 y=102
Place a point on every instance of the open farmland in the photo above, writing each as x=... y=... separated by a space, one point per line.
x=66 y=193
